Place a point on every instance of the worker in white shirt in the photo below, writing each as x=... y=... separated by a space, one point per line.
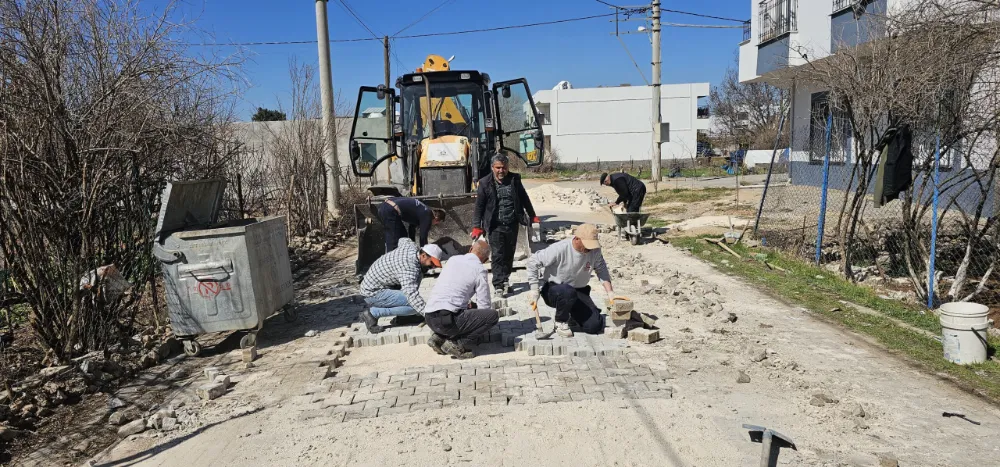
x=448 y=312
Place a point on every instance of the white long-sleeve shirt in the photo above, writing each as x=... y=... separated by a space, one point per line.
x=562 y=264
x=461 y=278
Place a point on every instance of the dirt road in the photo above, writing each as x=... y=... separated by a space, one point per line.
x=673 y=402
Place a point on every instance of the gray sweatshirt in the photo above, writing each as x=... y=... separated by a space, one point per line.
x=562 y=264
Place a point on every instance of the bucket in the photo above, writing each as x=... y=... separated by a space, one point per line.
x=963 y=332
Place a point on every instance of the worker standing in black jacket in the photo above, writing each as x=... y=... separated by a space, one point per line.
x=502 y=205
x=631 y=191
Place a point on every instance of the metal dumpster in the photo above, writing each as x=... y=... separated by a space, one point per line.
x=219 y=277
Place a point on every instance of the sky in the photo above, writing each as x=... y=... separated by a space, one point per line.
x=585 y=53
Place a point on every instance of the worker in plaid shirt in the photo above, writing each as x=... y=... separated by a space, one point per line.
x=391 y=287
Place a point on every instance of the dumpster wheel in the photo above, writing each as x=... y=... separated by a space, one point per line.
x=249 y=340
x=192 y=348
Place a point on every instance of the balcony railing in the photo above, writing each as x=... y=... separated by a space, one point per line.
x=746 y=31
x=842 y=4
x=777 y=17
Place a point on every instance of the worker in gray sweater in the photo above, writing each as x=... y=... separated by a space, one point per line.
x=559 y=275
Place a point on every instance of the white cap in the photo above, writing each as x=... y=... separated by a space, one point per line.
x=433 y=251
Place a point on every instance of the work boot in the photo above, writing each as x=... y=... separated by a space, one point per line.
x=407 y=320
x=498 y=291
x=370 y=321
x=455 y=349
x=563 y=330
x=435 y=342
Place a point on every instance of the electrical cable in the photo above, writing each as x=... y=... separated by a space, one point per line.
x=350 y=11
x=408 y=26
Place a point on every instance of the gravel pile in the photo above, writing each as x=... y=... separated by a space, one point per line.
x=568 y=196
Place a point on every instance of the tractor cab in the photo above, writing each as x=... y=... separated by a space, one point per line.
x=437 y=136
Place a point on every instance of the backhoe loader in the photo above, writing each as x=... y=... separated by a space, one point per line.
x=439 y=144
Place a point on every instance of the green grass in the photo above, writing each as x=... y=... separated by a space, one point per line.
x=685 y=195
x=822 y=296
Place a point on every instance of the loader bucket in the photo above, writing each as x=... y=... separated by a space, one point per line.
x=452 y=235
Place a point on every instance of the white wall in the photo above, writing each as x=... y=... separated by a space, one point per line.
x=615 y=124
x=748 y=49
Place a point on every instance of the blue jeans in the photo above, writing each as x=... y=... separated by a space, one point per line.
x=389 y=303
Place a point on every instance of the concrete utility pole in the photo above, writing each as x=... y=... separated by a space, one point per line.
x=657 y=117
x=388 y=102
x=329 y=119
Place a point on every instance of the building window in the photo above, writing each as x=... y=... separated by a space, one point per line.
x=543 y=112
x=840 y=131
x=777 y=18
x=703 y=111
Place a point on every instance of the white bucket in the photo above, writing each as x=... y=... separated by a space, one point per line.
x=963 y=332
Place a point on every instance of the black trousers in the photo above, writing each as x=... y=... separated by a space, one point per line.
x=636 y=202
x=462 y=326
x=576 y=303
x=393 y=227
x=503 y=242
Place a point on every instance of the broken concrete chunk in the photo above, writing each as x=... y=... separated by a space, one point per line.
x=249 y=355
x=821 y=400
x=224 y=380
x=132 y=428
x=743 y=378
x=887 y=460
x=211 y=391
x=756 y=354
x=169 y=424
x=858 y=411
x=211 y=372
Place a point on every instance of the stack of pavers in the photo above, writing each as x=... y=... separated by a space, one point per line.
x=620 y=312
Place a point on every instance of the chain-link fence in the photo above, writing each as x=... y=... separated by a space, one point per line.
x=891 y=246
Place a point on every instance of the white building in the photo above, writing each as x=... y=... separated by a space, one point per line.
x=614 y=124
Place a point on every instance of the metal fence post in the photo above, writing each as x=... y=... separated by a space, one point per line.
x=770 y=167
x=826 y=185
x=934 y=222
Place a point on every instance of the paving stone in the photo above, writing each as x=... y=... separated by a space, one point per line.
x=211 y=372
x=395 y=378
x=249 y=355
x=433 y=375
x=362 y=397
x=399 y=392
x=443 y=396
x=490 y=400
x=367 y=413
x=594 y=388
x=580 y=396
x=458 y=403
x=426 y=406
x=355 y=407
x=379 y=403
x=211 y=391
x=418 y=339
x=416 y=399
x=395 y=410
x=443 y=381
x=345 y=399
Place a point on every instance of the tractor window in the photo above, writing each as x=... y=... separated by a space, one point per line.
x=520 y=129
x=372 y=131
x=454 y=109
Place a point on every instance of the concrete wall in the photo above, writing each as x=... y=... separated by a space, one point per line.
x=614 y=124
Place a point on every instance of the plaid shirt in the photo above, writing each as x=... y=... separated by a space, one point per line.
x=398 y=268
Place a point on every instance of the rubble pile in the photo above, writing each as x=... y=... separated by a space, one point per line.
x=304 y=250
x=681 y=291
x=25 y=404
x=571 y=196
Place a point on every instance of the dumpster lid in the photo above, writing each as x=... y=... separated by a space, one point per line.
x=189 y=204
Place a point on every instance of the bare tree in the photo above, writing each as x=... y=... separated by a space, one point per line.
x=890 y=82
x=746 y=113
x=100 y=104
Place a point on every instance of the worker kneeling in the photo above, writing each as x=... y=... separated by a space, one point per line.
x=391 y=287
x=455 y=324
x=559 y=274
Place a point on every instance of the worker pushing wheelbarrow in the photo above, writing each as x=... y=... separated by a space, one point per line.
x=631 y=193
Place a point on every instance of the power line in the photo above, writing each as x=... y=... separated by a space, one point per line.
x=678 y=12
x=358 y=19
x=633 y=60
x=449 y=33
x=705 y=26
x=408 y=26
x=503 y=28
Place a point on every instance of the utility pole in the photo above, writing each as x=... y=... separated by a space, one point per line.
x=657 y=117
x=388 y=102
x=329 y=120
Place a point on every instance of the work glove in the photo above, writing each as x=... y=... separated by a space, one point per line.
x=477 y=232
x=533 y=297
x=536 y=220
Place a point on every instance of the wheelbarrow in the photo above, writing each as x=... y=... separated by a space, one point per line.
x=630 y=225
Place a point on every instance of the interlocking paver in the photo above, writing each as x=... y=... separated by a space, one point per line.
x=415 y=399
x=580 y=396
x=379 y=403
